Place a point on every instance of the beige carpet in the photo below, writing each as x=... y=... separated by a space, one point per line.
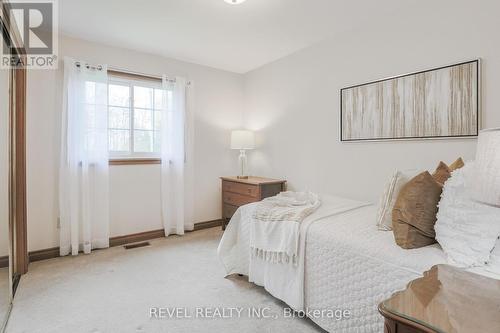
x=113 y=290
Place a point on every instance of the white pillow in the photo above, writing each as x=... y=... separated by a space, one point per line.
x=388 y=199
x=465 y=229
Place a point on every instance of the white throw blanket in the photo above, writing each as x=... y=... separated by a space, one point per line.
x=275 y=231
x=285 y=282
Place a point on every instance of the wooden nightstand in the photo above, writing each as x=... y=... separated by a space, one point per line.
x=445 y=299
x=238 y=192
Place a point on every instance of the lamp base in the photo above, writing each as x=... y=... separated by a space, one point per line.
x=243 y=165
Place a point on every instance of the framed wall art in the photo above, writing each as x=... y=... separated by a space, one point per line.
x=442 y=102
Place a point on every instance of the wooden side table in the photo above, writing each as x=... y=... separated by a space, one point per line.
x=238 y=192
x=445 y=299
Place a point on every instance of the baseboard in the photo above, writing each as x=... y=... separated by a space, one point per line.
x=44 y=254
x=4 y=261
x=134 y=238
x=53 y=252
x=207 y=224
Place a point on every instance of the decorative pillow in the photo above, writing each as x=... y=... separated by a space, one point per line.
x=442 y=173
x=388 y=199
x=459 y=163
x=414 y=213
x=465 y=229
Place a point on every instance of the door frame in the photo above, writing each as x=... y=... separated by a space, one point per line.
x=18 y=172
x=17 y=154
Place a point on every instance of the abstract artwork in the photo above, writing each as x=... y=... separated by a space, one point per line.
x=437 y=103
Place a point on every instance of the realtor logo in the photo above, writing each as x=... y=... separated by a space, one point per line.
x=35 y=24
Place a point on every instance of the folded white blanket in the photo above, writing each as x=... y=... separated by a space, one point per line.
x=285 y=282
x=276 y=227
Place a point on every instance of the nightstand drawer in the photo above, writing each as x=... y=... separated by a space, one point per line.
x=237 y=192
x=228 y=211
x=237 y=199
x=245 y=189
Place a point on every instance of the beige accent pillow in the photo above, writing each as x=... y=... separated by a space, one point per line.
x=459 y=163
x=388 y=199
x=442 y=173
x=414 y=213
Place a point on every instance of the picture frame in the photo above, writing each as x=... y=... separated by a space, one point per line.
x=437 y=103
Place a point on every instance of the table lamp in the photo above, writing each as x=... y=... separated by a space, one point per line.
x=242 y=140
x=487 y=180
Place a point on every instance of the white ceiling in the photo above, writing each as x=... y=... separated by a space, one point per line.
x=236 y=38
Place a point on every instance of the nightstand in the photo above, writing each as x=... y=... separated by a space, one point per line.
x=445 y=299
x=237 y=192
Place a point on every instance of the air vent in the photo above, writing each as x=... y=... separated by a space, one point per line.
x=136 y=245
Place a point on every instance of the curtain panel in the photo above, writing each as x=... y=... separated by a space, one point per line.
x=83 y=183
x=177 y=173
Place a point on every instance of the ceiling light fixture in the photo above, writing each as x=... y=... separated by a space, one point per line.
x=234 y=2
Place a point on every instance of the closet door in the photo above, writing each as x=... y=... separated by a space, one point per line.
x=17 y=142
x=13 y=237
x=5 y=249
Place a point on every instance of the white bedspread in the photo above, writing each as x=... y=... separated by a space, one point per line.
x=284 y=281
x=353 y=266
x=348 y=265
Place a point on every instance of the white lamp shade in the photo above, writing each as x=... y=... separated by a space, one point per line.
x=242 y=139
x=487 y=182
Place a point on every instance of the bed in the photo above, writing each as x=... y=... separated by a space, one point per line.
x=352 y=265
x=347 y=265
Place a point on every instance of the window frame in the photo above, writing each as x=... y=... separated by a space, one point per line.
x=131 y=156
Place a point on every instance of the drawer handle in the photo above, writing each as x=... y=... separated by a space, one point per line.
x=249 y=190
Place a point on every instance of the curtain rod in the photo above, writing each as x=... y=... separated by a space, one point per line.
x=156 y=77
x=124 y=71
x=98 y=67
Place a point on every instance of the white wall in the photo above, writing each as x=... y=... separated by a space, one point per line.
x=135 y=205
x=4 y=162
x=293 y=103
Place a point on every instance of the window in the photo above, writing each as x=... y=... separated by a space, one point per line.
x=134 y=124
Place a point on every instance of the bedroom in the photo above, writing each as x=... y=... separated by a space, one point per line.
x=276 y=69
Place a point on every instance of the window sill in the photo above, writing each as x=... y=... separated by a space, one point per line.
x=134 y=161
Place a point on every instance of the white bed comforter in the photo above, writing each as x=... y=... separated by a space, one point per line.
x=282 y=280
x=350 y=265
x=347 y=265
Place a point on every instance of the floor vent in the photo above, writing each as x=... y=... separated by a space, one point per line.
x=136 y=245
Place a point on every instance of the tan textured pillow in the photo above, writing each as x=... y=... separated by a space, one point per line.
x=442 y=173
x=459 y=163
x=414 y=213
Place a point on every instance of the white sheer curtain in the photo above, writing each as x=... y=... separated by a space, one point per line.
x=177 y=157
x=83 y=188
